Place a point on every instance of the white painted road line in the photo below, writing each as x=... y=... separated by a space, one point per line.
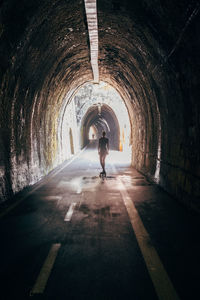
x=162 y=283
x=42 y=279
x=70 y=212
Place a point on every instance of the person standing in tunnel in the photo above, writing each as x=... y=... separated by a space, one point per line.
x=103 y=150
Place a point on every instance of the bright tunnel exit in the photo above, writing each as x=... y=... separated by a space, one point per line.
x=89 y=110
x=99 y=107
x=92 y=133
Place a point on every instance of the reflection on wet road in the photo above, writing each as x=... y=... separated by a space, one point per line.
x=76 y=236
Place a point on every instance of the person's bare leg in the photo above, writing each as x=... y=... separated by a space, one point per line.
x=102 y=162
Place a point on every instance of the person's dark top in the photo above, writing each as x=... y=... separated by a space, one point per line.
x=103 y=145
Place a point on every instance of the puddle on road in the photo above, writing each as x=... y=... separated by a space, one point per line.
x=79 y=184
x=84 y=208
x=96 y=177
x=130 y=181
x=105 y=211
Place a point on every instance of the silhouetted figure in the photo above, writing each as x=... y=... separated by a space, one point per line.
x=103 y=149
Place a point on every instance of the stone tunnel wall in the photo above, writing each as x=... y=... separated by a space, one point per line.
x=160 y=84
x=41 y=56
x=148 y=51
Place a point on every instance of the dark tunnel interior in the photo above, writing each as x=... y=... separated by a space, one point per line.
x=148 y=52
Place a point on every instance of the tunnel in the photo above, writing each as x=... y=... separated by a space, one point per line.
x=75 y=222
x=106 y=121
x=148 y=51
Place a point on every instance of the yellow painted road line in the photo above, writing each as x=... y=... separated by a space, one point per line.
x=42 y=279
x=162 y=283
x=70 y=212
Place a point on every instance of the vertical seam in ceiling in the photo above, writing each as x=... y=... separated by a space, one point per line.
x=91 y=13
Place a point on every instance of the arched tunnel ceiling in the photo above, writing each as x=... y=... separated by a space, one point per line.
x=45 y=48
x=148 y=51
x=94 y=114
x=47 y=42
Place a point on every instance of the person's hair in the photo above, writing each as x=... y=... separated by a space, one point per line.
x=103 y=133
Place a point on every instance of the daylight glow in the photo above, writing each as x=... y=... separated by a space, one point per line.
x=100 y=94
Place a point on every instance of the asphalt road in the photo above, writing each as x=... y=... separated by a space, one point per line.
x=76 y=236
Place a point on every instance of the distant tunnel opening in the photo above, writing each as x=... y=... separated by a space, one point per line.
x=103 y=120
x=93 y=133
x=101 y=107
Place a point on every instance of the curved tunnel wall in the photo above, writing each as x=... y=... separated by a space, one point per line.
x=148 y=51
x=105 y=121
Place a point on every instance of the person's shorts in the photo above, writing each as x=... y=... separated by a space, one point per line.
x=103 y=153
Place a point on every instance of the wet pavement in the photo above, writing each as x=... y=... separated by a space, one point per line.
x=77 y=236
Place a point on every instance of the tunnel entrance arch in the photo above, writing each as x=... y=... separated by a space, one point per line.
x=137 y=115
x=136 y=119
x=103 y=120
x=101 y=105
